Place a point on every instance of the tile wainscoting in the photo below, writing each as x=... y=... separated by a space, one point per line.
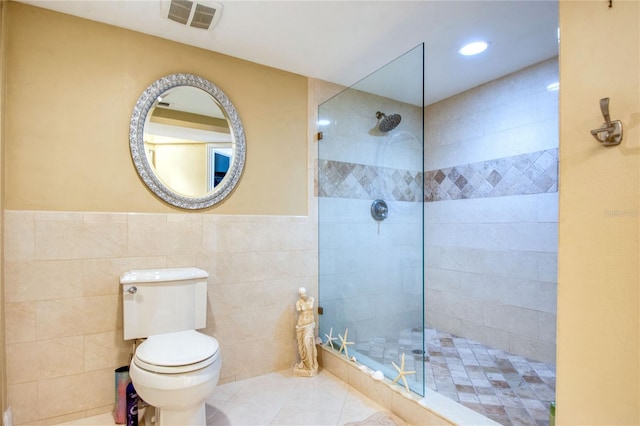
x=64 y=309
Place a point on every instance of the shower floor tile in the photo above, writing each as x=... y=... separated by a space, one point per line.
x=505 y=387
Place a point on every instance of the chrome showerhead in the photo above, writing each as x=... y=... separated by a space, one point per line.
x=387 y=122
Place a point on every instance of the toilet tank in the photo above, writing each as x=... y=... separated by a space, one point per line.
x=158 y=301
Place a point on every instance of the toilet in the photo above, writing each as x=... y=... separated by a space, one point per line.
x=176 y=368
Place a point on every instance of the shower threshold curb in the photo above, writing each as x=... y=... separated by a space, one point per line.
x=432 y=409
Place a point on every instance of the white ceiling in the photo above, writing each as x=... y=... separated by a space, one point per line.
x=344 y=41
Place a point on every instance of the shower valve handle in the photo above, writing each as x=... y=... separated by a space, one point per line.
x=379 y=210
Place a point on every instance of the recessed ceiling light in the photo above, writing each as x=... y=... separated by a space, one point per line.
x=473 y=48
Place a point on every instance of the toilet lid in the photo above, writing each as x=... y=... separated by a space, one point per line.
x=177 y=349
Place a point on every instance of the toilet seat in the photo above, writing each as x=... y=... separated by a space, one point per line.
x=179 y=352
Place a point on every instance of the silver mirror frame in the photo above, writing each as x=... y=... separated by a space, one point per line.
x=143 y=167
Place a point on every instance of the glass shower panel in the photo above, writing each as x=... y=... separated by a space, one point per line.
x=370 y=202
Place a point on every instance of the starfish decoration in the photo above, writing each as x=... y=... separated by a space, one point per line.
x=402 y=373
x=330 y=338
x=344 y=343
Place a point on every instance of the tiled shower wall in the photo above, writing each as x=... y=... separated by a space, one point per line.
x=370 y=272
x=64 y=307
x=491 y=214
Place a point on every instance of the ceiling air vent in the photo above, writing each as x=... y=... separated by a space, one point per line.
x=197 y=14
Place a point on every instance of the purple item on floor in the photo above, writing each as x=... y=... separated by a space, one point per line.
x=121 y=381
x=132 y=406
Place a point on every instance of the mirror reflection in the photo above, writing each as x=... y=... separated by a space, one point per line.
x=187 y=141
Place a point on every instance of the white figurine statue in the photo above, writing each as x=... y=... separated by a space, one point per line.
x=306 y=335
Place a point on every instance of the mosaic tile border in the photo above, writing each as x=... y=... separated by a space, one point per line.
x=532 y=173
x=338 y=179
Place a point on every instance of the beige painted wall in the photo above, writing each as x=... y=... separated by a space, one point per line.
x=73 y=84
x=599 y=232
x=3 y=375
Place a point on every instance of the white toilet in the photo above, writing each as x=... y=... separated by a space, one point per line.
x=176 y=368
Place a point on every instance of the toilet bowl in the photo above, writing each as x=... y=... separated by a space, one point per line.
x=176 y=368
x=175 y=373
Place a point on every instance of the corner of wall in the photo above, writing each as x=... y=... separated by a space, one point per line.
x=3 y=375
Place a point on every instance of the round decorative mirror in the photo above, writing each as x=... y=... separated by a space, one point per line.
x=187 y=141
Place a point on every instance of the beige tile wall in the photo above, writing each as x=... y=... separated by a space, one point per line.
x=64 y=309
x=491 y=263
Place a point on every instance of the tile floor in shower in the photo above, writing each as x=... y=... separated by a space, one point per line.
x=507 y=388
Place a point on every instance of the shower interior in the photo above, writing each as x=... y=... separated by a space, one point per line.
x=370 y=205
x=394 y=283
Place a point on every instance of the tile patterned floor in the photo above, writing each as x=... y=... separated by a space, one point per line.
x=507 y=388
x=504 y=387
x=278 y=399
x=282 y=399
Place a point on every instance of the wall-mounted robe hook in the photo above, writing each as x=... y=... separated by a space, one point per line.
x=610 y=133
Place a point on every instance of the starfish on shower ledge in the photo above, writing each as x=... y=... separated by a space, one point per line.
x=402 y=373
x=344 y=343
x=330 y=338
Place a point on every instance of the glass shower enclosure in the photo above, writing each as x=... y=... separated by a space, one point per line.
x=370 y=215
